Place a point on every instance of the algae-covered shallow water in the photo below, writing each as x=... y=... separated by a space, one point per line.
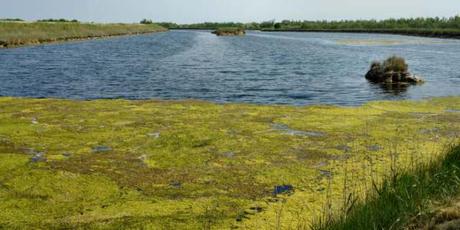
x=134 y=164
x=265 y=68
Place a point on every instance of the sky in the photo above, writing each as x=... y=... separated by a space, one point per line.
x=191 y=11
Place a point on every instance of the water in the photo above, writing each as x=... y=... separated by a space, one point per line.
x=263 y=68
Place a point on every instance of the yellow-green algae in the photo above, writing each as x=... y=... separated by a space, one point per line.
x=191 y=165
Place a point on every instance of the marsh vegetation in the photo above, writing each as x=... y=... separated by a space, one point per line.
x=394 y=70
x=229 y=31
x=17 y=34
x=405 y=199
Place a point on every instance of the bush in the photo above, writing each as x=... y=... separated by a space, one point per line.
x=277 y=26
x=146 y=21
x=395 y=64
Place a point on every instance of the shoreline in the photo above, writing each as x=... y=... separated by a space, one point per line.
x=14 y=35
x=4 y=45
x=215 y=103
x=415 y=33
x=430 y=34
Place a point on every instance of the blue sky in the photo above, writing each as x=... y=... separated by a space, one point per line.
x=188 y=11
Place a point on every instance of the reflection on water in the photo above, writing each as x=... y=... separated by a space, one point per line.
x=396 y=89
x=267 y=68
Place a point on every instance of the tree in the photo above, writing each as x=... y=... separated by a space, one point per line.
x=146 y=21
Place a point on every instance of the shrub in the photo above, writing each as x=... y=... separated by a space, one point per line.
x=277 y=26
x=146 y=21
x=395 y=64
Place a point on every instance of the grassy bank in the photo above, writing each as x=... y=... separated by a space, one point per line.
x=404 y=198
x=197 y=165
x=14 y=34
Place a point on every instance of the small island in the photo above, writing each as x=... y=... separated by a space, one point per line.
x=229 y=31
x=393 y=70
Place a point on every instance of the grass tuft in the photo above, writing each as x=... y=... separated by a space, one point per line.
x=395 y=64
x=402 y=196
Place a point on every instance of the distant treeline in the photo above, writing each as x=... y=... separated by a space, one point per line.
x=403 y=23
x=210 y=25
x=58 y=20
x=11 y=20
x=41 y=20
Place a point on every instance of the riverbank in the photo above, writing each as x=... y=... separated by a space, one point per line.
x=444 y=34
x=14 y=34
x=427 y=27
x=195 y=164
x=434 y=33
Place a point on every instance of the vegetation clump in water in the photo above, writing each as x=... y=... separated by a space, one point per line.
x=392 y=70
x=230 y=31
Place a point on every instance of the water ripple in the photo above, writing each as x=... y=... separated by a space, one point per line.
x=265 y=68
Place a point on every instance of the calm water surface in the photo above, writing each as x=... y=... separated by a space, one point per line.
x=265 y=68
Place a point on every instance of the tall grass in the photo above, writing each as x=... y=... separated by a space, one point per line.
x=396 y=64
x=401 y=196
x=18 y=33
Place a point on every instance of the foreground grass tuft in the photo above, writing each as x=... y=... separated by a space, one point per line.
x=402 y=197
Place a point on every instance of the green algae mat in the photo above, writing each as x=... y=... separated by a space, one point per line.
x=108 y=164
